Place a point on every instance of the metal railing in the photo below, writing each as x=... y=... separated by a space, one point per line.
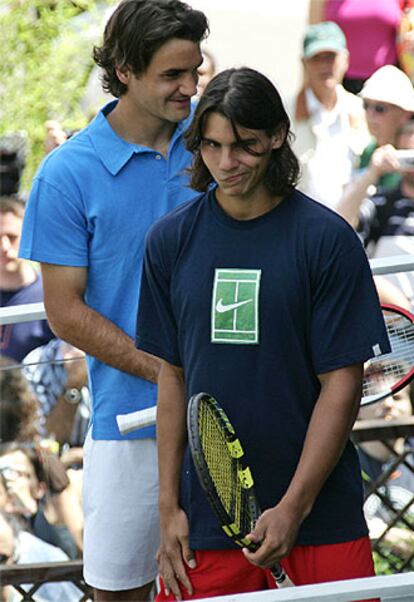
x=38 y=574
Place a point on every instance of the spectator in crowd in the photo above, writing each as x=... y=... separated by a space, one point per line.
x=57 y=375
x=20 y=283
x=370 y=29
x=385 y=220
x=19 y=410
x=25 y=476
x=12 y=162
x=206 y=71
x=328 y=122
x=375 y=456
x=19 y=546
x=381 y=458
x=105 y=187
x=289 y=379
x=388 y=98
x=55 y=135
x=20 y=423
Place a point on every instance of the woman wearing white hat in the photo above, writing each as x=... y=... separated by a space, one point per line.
x=388 y=97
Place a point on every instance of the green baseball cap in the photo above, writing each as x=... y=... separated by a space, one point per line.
x=323 y=37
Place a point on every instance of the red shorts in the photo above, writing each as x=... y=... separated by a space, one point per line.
x=225 y=572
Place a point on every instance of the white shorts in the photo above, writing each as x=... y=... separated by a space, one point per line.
x=120 y=505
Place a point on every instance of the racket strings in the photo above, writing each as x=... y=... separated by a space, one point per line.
x=223 y=469
x=385 y=371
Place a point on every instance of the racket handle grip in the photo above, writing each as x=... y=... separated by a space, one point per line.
x=279 y=575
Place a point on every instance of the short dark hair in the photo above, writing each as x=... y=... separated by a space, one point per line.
x=12 y=203
x=137 y=29
x=247 y=99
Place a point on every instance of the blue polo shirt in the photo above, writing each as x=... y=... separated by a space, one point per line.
x=91 y=204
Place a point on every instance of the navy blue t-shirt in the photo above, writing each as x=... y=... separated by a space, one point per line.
x=16 y=340
x=253 y=311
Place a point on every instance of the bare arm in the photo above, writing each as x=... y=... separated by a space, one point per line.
x=389 y=293
x=383 y=160
x=75 y=322
x=329 y=428
x=316 y=12
x=174 y=549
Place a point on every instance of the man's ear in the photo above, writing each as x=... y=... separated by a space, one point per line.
x=39 y=491
x=123 y=74
x=278 y=138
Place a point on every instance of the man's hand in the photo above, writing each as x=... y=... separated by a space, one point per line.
x=174 y=553
x=275 y=532
x=384 y=160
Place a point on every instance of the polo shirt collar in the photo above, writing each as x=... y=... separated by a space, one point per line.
x=114 y=151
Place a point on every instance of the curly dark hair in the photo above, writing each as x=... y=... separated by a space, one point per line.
x=137 y=29
x=247 y=99
x=18 y=405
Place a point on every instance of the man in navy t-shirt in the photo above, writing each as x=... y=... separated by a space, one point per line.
x=263 y=298
x=20 y=283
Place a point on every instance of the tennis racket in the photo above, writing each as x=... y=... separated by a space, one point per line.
x=387 y=374
x=224 y=473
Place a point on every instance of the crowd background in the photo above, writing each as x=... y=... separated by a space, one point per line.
x=50 y=89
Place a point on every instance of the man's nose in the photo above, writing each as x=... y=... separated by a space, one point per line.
x=188 y=85
x=227 y=159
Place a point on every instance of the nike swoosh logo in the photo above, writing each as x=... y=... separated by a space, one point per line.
x=221 y=308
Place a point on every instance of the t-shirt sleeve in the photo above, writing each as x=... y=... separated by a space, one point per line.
x=347 y=325
x=156 y=324
x=55 y=226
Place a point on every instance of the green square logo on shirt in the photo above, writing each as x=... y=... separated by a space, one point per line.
x=235 y=306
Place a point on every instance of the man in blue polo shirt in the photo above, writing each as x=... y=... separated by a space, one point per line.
x=91 y=204
x=263 y=298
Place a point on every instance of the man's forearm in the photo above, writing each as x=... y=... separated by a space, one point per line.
x=331 y=423
x=171 y=434
x=354 y=194
x=91 y=332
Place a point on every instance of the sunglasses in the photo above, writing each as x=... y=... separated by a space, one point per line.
x=376 y=107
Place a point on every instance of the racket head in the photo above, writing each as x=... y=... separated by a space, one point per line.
x=387 y=374
x=221 y=467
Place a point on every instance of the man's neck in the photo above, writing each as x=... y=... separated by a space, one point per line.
x=247 y=208
x=14 y=280
x=136 y=128
x=328 y=97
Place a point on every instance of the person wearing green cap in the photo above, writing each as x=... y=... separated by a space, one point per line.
x=328 y=122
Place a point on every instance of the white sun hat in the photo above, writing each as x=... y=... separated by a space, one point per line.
x=389 y=84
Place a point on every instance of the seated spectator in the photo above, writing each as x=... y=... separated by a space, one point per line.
x=19 y=411
x=388 y=97
x=20 y=283
x=57 y=375
x=328 y=122
x=18 y=546
x=25 y=478
x=20 y=422
x=386 y=219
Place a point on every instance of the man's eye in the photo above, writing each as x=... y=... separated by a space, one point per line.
x=210 y=144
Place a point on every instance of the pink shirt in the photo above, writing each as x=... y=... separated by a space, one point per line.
x=370 y=29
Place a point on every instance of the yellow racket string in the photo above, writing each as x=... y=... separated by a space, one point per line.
x=224 y=469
